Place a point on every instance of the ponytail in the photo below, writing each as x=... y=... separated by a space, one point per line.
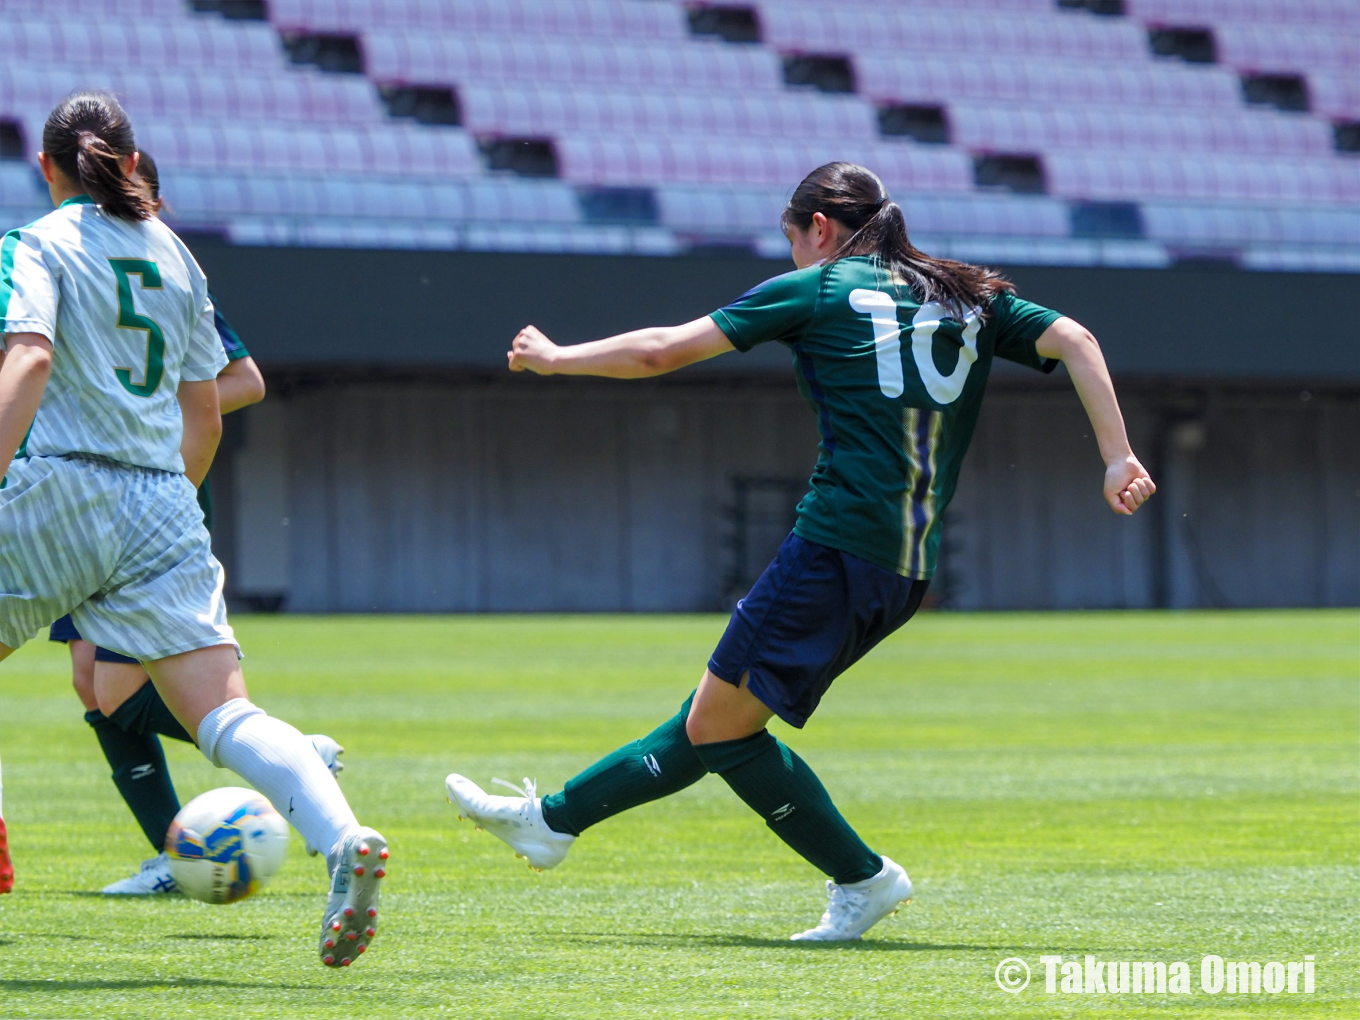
x=856 y=198
x=88 y=135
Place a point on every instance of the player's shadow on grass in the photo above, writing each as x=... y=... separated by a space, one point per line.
x=131 y=984
x=754 y=942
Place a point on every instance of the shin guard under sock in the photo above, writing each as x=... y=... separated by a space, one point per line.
x=146 y=712
x=778 y=785
x=283 y=765
x=140 y=774
x=661 y=763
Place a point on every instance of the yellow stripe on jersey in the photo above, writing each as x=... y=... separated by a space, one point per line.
x=920 y=441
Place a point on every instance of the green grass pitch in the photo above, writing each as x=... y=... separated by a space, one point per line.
x=1137 y=786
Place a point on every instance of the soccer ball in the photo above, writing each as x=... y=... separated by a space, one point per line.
x=224 y=845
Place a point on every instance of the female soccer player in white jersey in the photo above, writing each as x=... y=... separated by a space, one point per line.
x=892 y=349
x=110 y=361
x=121 y=703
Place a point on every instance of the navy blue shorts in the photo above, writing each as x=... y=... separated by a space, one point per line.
x=811 y=616
x=64 y=630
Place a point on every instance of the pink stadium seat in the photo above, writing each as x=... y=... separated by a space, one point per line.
x=849 y=27
x=612 y=19
x=935 y=78
x=533 y=109
x=200 y=43
x=1005 y=128
x=1335 y=95
x=1213 y=12
x=640 y=160
x=430 y=58
x=141 y=9
x=1085 y=175
x=1278 y=48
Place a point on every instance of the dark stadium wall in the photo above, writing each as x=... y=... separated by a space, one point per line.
x=397 y=467
x=573 y=495
x=306 y=308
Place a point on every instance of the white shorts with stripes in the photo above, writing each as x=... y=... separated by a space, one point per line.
x=122 y=549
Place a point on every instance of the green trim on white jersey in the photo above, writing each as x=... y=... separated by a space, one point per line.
x=119 y=348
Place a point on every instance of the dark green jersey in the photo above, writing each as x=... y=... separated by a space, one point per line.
x=896 y=386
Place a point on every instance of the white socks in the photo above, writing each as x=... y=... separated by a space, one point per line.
x=283 y=765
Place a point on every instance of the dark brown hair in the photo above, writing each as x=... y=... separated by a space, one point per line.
x=87 y=135
x=856 y=198
x=149 y=175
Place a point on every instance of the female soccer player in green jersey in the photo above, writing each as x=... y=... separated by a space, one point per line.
x=109 y=419
x=892 y=349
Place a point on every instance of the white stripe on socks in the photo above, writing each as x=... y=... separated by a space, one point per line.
x=283 y=765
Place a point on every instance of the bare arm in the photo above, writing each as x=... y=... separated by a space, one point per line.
x=1127 y=483
x=202 y=427
x=24 y=371
x=239 y=385
x=636 y=355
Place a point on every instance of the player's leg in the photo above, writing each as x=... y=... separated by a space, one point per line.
x=82 y=669
x=138 y=768
x=164 y=606
x=727 y=726
x=206 y=691
x=661 y=763
x=813 y=613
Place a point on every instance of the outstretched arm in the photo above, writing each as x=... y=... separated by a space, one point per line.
x=24 y=371
x=1127 y=483
x=636 y=355
x=239 y=385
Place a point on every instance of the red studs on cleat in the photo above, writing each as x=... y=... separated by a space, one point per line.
x=330 y=943
x=363 y=851
x=335 y=926
x=349 y=911
x=362 y=948
x=380 y=873
x=351 y=935
x=383 y=854
x=370 y=932
x=359 y=871
x=328 y=960
x=372 y=911
x=345 y=962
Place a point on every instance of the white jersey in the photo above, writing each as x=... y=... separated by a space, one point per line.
x=127 y=310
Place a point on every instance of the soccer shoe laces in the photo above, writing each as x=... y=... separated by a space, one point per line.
x=529 y=791
x=842 y=901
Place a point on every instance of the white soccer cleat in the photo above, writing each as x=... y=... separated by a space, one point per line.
x=153 y=878
x=329 y=750
x=351 y=917
x=515 y=820
x=330 y=753
x=855 y=908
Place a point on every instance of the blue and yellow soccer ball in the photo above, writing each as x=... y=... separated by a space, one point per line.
x=226 y=844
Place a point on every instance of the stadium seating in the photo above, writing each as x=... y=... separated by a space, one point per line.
x=651 y=133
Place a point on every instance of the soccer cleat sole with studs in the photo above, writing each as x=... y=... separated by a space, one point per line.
x=350 y=922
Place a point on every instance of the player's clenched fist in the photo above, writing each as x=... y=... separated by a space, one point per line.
x=1127 y=485
x=531 y=351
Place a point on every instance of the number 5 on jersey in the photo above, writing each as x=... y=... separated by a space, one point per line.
x=882 y=312
x=128 y=318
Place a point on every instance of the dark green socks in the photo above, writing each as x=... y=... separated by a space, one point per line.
x=778 y=785
x=133 y=750
x=661 y=763
x=145 y=712
x=140 y=774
